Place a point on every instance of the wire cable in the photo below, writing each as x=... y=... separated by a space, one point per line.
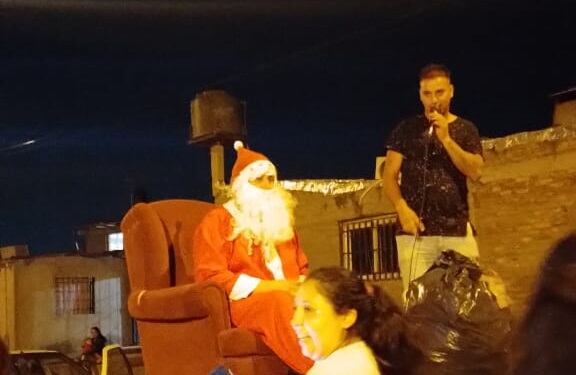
x=428 y=136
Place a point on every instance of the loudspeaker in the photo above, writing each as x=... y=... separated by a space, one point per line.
x=216 y=116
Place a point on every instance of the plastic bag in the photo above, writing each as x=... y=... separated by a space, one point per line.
x=458 y=317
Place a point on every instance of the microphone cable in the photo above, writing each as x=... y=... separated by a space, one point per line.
x=428 y=140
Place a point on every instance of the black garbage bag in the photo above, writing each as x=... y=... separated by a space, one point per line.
x=458 y=318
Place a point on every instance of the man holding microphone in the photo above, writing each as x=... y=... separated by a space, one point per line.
x=428 y=159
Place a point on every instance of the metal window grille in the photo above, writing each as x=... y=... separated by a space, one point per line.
x=368 y=247
x=74 y=295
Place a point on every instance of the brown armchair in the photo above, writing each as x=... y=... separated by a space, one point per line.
x=184 y=326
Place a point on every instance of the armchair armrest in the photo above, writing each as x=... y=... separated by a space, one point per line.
x=240 y=342
x=180 y=303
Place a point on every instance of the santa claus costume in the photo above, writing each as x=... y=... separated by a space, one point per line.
x=248 y=240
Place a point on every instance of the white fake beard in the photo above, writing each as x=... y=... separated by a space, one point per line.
x=266 y=213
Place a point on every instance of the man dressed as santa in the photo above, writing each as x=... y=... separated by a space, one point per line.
x=248 y=246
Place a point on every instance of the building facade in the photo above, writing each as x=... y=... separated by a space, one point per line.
x=50 y=302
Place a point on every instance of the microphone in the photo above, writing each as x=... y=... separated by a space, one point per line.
x=431 y=129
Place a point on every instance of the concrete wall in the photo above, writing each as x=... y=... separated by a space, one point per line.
x=524 y=203
x=36 y=324
x=317 y=216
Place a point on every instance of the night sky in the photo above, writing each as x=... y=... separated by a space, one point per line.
x=103 y=88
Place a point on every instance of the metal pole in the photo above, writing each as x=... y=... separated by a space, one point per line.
x=217 y=167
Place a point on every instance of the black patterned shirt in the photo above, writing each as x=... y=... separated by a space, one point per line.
x=430 y=182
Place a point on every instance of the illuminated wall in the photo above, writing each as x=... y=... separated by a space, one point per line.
x=36 y=325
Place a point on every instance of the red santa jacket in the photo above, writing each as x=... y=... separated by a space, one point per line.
x=222 y=260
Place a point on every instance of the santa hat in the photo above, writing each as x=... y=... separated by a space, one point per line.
x=250 y=164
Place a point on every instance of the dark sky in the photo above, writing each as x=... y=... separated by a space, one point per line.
x=103 y=87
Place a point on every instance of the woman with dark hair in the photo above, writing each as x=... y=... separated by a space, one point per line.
x=93 y=346
x=348 y=326
x=98 y=340
x=545 y=340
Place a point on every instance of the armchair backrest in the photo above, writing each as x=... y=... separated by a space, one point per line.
x=157 y=242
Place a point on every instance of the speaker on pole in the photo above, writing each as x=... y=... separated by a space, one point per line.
x=216 y=117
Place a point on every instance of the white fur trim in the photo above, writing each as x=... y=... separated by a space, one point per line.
x=243 y=287
x=230 y=206
x=255 y=170
x=238 y=145
x=275 y=266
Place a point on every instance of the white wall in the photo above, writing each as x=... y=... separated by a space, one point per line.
x=38 y=327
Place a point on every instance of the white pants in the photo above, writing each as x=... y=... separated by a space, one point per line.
x=417 y=254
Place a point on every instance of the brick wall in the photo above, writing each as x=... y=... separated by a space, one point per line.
x=524 y=203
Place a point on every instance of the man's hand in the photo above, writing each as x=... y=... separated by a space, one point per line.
x=468 y=163
x=410 y=222
x=440 y=123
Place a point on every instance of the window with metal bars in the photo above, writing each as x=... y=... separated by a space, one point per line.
x=368 y=247
x=74 y=295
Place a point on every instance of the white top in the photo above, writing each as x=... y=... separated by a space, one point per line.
x=356 y=358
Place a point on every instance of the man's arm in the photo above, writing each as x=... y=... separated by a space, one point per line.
x=209 y=251
x=468 y=163
x=408 y=218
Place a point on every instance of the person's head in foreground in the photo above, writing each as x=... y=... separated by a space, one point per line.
x=335 y=309
x=264 y=208
x=545 y=340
